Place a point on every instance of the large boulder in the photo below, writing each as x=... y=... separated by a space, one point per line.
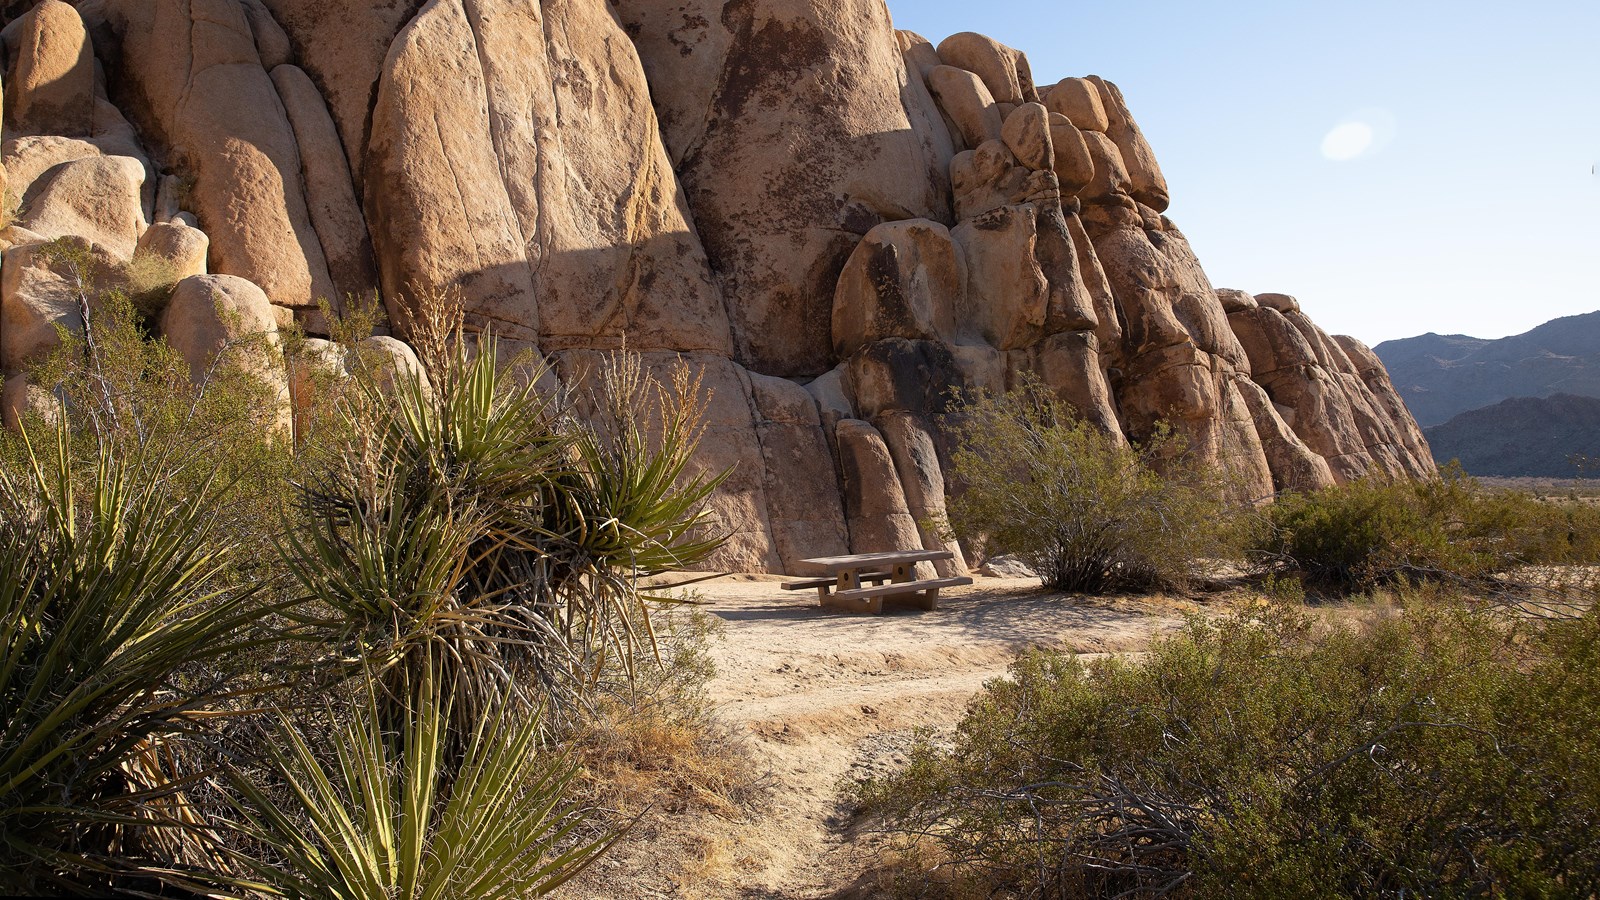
x=1295 y=466
x=1078 y=99
x=941 y=138
x=1069 y=363
x=28 y=157
x=343 y=45
x=169 y=252
x=529 y=175
x=1073 y=165
x=1149 y=185
x=211 y=106
x=1179 y=354
x=215 y=320
x=20 y=400
x=97 y=198
x=1027 y=132
x=389 y=360
x=1372 y=372
x=802 y=485
x=964 y=98
x=441 y=215
x=905 y=279
x=916 y=461
x=50 y=84
x=1004 y=71
x=1008 y=293
x=991 y=177
x=785 y=172
x=874 y=500
x=44 y=289
x=330 y=191
x=921 y=377
x=272 y=43
x=1110 y=189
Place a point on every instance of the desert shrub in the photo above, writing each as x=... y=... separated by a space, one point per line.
x=1086 y=511
x=141 y=511
x=1435 y=753
x=175 y=564
x=117 y=391
x=1375 y=531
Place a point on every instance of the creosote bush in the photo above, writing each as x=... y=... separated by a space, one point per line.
x=1376 y=531
x=1086 y=511
x=1433 y=753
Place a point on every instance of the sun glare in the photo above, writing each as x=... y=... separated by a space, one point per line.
x=1359 y=135
x=1347 y=141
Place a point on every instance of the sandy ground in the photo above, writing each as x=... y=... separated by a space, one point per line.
x=825 y=697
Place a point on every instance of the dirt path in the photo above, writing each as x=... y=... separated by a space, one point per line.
x=823 y=698
x=826 y=696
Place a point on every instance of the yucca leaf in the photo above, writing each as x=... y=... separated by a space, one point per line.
x=104 y=598
x=486 y=829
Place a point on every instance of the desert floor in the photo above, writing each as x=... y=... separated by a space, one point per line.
x=821 y=698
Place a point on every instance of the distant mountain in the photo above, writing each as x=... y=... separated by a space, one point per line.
x=1443 y=375
x=1533 y=436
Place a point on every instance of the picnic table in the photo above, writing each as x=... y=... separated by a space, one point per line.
x=861 y=582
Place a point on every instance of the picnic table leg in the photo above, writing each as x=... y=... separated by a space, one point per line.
x=850 y=580
x=902 y=573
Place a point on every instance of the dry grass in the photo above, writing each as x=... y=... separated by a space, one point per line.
x=649 y=757
x=655 y=757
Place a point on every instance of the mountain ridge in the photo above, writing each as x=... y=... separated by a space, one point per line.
x=1522 y=436
x=1443 y=376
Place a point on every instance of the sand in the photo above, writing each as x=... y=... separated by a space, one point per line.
x=823 y=697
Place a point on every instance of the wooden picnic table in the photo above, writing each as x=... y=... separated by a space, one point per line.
x=843 y=588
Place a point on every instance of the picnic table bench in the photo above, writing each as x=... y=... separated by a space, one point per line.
x=888 y=574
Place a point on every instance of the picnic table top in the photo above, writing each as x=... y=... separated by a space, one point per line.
x=838 y=564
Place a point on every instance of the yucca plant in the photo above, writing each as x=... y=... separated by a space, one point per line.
x=471 y=520
x=410 y=526
x=111 y=607
x=635 y=508
x=392 y=816
x=645 y=511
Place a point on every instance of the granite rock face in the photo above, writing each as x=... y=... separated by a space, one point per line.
x=835 y=225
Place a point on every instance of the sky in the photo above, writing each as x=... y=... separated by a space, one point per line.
x=1401 y=167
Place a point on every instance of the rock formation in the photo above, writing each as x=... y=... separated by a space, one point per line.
x=835 y=223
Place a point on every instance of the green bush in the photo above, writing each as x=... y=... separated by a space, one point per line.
x=1085 y=510
x=1436 y=753
x=1376 y=531
x=138 y=591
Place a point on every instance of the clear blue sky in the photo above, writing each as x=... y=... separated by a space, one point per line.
x=1473 y=208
